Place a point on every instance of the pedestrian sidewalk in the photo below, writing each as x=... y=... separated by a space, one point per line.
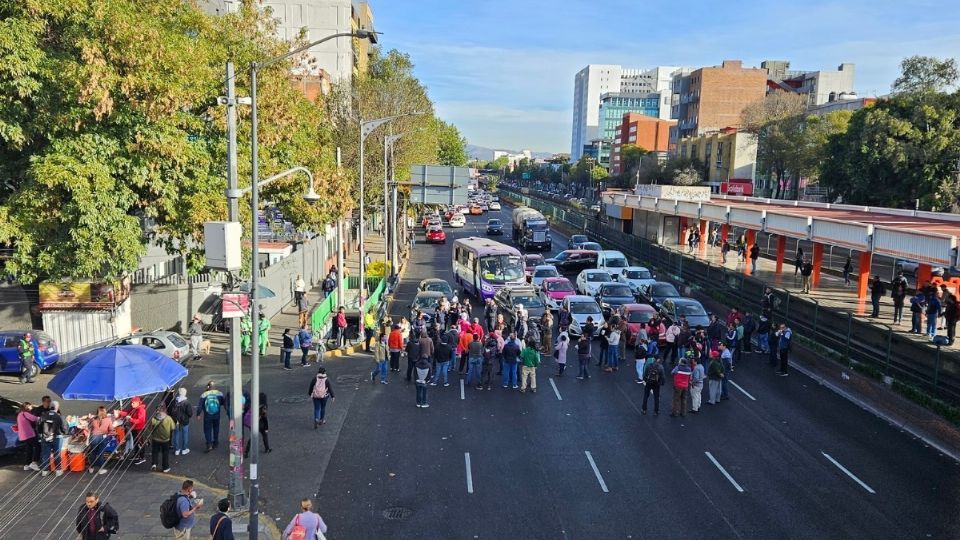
x=135 y=495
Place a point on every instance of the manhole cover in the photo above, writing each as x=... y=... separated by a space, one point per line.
x=349 y=379
x=293 y=399
x=397 y=513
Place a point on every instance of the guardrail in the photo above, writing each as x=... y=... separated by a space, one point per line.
x=882 y=352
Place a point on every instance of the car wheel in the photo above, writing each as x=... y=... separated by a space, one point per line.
x=33 y=371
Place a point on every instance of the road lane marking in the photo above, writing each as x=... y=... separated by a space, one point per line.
x=596 y=471
x=724 y=471
x=738 y=387
x=461 y=390
x=466 y=462
x=555 y=391
x=848 y=473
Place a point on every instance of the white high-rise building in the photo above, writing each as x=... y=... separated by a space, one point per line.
x=597 y=79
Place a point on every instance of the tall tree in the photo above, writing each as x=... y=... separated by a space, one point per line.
x=920 y=75
x=451 y=146
x=778 y=122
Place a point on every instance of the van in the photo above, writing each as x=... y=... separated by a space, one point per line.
x=612 y=261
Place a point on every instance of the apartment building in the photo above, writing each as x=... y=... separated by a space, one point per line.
x=712 y=98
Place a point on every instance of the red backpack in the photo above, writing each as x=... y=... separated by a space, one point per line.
x=298 y=531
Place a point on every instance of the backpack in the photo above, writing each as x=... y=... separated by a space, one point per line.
x=319 y=388
x=211 y=404
x=181 y=412
x=48 y=428
x=298 y=531
x=305 y=338
x=652 y=375
x=169 y=513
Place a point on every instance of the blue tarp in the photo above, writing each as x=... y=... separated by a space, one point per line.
x=118 y=372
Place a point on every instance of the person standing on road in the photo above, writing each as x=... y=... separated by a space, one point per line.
x=583 y=356
x=310 y=522
x=754 y=257
x=28 y=437
x=546 y=332
x=423 y=372
x=96 y=520
x=560 y=353
x=395 y=347
x=531 y=359
x=161 y=433
x=749 y=326
x=726 y=358
x=715 y=376
x=51 y=428
x=426 y=347
x=715 y=332
x=490 y=314
x=305 y=340
x=604 y=344
x=877 y=290
x=613 y=349
x=196 y=335
x=444 y=352
x=763 y=334
x=784 y=342
x=653 y=376
x=475 y=360
x=25 y=352
x=697 y=377
x=320 y=391
x=490 y=355
x=670 y=347
x=681 y=388
x=182 y=412
x=211 y=402
x=413 y=354
x=286 y=349
x=221 y=526
x=380 y=356
x=847 y=270
x=511 y=354
x=369 y=328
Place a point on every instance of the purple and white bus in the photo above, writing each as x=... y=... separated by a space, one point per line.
x=482 y=266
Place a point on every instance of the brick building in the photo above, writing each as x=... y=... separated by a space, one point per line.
x=712 y=98
x=650 y=133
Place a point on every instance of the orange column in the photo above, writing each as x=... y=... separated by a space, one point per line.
x=924 y=274
x=781 y=251
x=682 y=237
x=703 y=236
x=817 y=261
x=724 y=231
x=863 y=270
x=751 y=240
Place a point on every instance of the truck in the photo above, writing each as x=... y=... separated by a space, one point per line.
x=531 y=231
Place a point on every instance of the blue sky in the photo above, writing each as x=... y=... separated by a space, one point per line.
x=502 y=71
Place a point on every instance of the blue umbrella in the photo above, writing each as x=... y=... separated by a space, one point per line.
x=117 y=372
x=262 y=292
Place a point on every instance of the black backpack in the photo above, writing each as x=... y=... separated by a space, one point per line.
x=169 y=513
x=48 y=426
x=652 y=375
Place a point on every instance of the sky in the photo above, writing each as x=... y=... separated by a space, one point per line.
x=502 y=70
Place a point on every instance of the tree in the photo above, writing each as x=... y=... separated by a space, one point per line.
x=451 y=146
x=777 y=122
x=920 y=75
x=630 y=157
x=500 y=162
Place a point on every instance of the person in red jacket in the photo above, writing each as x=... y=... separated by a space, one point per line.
x=477 y=329
x=681 y=387
x=395 y=346
x=137 y=411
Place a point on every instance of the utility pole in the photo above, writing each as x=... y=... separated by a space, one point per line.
x=339 y=247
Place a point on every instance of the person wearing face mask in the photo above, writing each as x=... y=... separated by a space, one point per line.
x=161 y=432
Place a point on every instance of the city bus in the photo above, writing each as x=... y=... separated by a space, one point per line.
x=481 y=266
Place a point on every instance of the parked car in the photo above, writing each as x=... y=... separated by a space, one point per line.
x=494 y=227
x=637 y=277
x=553 y=290
x=168 y=343
x=672 y=308
x=436 y=285
x=457 y=220
x=572 y=261
x=542 y=272
x=507 y=300
x=636 y=315
x=657 y=292
x=8 y=419
x=580 y=308
x=576 y=241
x=435 y=235
x=46 y=353
x=494 y=205
x=611 y=296
x=589 y=281
x=426 y=302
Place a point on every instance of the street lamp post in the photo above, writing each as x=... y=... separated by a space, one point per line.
x=389 y=236
x=255 y=275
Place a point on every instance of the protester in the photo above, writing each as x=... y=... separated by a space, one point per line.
x=511 y=355
x=221 y=526
x=560 y=353
x=715 y=377
x=395 y=346
x=726 y=357
x=530 y=357
x=211 y=402
x=583 y=356
x=423 y=371
x=681 y=388
x=96 y=520
x=475 y=360
x=413 y=354
x=181 y=411
x=306 y=524
x=653 y=377
x=320 y=391
x=27 y=437
x=380 y=357
x=785 y=340
x=697 y=377
x=490 y=354
x=161 y=433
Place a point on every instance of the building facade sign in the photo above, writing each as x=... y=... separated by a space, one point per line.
x=679 y=193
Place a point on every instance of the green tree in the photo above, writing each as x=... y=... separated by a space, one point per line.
x=778 y=123
x=500 y=162
x=451 y=146
x=630 y=157
x=921 y=75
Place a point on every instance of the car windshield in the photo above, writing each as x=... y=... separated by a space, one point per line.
x=533 y=260
x=546 y=272
x=583 y=308
x=177 y=341
x=616 y=262
x=591 y=246
x=598 y=277
x=562 y=256
x=559 y=286
x=438 y=286
x=639 y=274
x=639 y=316
x=690 y=310
x=493 y=222
x=435 y=229
x=531 y=301
x=664 y=290
x=577 y=238
x=616 y=290
x=424 y=303
x=501 y=268
x=8 y=409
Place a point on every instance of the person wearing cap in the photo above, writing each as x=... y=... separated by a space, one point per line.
x=715 y=377
x=137 y=411
x=681 y=388
x=196 y=335
x=25 y=351
x=696 y=382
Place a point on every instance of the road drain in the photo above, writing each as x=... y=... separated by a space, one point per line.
x=397 y=513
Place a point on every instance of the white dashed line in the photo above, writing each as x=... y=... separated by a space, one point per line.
x=738 y=387
x=462 y=396
x=848 y=473
x=555 y=391
x=724 y=471
x=466 y=463
x=596 y=471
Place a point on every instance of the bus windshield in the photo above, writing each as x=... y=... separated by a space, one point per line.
x=501 y=268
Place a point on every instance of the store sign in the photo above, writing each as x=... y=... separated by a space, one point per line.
x=737 y=187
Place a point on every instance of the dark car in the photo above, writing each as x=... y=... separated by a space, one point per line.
x=436 y=285
x=576 y=241
x=45 y=350
x=613 y=295
x=672 y=308
x=507 y=300
x=531 y=261
x=572 y=261
x=657 y=292
x=8 y=419
x=591 y=246
x=426 y=302
x=494 y=227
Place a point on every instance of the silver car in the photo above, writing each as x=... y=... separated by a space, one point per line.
x=167 y=343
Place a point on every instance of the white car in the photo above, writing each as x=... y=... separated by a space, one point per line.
x=542 y=272
x=457 y=220
x=494 y=205
x=637 y=277
x=590 y=280
x=581 y=308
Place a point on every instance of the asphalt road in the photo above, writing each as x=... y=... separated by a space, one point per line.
x=581 y=462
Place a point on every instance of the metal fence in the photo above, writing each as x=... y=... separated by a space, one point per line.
x=882 y=349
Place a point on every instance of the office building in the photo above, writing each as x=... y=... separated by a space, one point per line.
x=613 y=107
x=817 y=86
x=728 y=155
x=648 y=132
x=712 y=98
